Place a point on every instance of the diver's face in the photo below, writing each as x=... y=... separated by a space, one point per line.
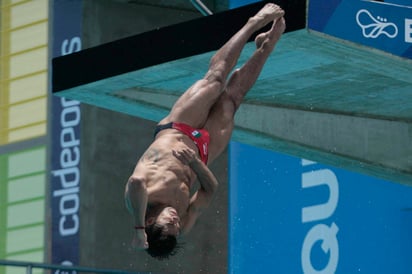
x=170 y=221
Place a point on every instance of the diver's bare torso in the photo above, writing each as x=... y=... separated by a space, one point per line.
x=167 y=179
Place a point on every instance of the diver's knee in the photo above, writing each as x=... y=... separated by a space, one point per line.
x=233 y=87
x=216 y=77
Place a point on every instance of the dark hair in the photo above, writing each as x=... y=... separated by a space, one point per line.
x=160 y=246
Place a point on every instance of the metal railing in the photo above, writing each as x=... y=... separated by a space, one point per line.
x=201 y=7
x=69 y=269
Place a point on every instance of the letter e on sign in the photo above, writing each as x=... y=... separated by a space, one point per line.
x=408 y=30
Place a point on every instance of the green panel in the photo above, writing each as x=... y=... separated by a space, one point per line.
x=34 y=256
x=21 y=240
x=15 y=270
x=22 y=270
x=3 y=210
x=22 y=206
x=23 y=214
x=26 y=162
x=26 y=188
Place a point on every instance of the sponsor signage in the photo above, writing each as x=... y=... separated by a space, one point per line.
x=380 y=25
x=65 y=152
x=291 y=215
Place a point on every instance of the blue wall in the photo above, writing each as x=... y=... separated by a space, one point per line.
x=380 y=25
x=289 y=215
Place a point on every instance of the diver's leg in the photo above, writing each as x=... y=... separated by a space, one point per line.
x=221 y=119
x=242 y=80
x=194 y=105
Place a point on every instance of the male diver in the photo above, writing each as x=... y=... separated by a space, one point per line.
x=193 y=135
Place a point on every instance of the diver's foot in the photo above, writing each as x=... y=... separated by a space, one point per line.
x=270 y=12
x=273 y=35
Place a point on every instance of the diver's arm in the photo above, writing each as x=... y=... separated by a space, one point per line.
x=136 y=203
x=208 y=186
x=202 y=198
x=208 y=181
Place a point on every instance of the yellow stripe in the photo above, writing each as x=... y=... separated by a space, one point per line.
x=4 y=73
x=25 y=51
x=26 y=75
x=41 y=21
x=23 y=102
x=6 y=30
x=9 y=3
x=26 y=126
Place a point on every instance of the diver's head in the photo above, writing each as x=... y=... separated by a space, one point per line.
x=162 y=231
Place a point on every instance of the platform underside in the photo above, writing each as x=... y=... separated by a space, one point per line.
x=317 y=97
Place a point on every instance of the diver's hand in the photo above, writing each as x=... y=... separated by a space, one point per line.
x=185 y=155
x=139 y=241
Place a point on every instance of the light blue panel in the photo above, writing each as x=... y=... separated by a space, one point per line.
x=289 y=215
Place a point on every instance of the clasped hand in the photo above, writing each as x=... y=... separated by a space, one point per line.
x=185 y=155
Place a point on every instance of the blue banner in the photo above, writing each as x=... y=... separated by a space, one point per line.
x=290 y=215
x=380 y=25
x=65 y=147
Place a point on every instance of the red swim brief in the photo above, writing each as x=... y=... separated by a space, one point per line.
x=200 y=137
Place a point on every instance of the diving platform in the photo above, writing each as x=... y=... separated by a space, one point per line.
x=318 y=97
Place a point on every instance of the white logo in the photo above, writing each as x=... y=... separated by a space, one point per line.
x=320 y=232
x=67 y=271
x=374 y=27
